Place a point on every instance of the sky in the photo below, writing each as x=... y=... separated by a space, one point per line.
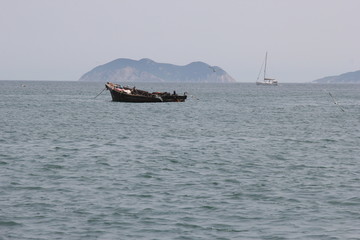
x=63 y=39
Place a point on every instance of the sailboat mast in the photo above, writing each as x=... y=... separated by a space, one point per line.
x=265 y=66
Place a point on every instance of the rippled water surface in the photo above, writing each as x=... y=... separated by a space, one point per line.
x=235 y=161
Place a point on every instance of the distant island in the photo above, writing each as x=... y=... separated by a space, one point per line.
x=350 y=77
x=146 y=70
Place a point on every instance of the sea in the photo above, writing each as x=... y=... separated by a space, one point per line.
x=235 y=161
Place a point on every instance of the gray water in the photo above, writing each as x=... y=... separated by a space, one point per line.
x=235 y=161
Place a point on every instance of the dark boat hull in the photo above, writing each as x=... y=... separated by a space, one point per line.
x=120 y=96
x=123 y=97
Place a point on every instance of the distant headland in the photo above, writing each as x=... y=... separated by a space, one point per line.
x=350 y=77
x=147 y=70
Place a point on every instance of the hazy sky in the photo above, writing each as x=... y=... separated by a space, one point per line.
x=63 y=39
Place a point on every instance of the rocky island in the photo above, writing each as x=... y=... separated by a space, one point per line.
x=350 y=77
x=147 y=70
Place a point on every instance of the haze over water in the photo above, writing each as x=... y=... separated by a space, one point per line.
x=235 y=161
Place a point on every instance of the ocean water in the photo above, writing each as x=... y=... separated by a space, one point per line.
x=235 y=161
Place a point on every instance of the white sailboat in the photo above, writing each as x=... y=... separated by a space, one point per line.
x=266 y=81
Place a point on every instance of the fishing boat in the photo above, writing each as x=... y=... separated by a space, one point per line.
x=266 y=81
x=126 y=94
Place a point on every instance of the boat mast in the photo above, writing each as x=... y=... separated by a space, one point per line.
x=265 y=66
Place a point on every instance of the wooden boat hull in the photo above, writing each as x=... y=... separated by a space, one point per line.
x=140 y=96
x=123 y=97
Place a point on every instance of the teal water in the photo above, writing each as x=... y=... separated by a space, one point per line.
x=235 y=161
